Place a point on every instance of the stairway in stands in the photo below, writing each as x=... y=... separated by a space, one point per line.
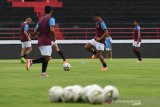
x=15 y=11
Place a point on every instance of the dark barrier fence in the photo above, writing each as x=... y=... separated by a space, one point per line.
x=148 y=50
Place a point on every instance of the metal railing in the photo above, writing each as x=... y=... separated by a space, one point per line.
x=84 y=33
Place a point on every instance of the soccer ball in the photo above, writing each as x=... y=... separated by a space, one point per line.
x=85 y=92
x=95 y=95
x=77 y=91
x=55 y=94
x=66 y=66
x=110 y=94
x=68 y=94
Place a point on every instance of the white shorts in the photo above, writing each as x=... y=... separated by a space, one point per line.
x=108 y=49
x=97 y=45
x=135 y=44
x=26 y=44
x=46 y=50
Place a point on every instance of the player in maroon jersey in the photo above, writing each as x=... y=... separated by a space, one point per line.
x=45 y=31
x=137 y=40
x=96 y=45
x=25 y=39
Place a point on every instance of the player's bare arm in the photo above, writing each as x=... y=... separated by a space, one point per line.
x=52 y=31
x=139 y=34
x=36 y=32
x=26 y=33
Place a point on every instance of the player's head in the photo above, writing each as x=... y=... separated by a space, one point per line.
x=136 y=22
x=29 y=20
x=96 y=17
x=48 y=10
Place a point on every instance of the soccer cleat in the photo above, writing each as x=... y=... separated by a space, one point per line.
x=44 y=75
x=28 y=64
x=139 y=61
x=23 y=60
x=104 y=69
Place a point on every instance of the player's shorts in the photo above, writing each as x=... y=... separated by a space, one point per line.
x=135 y=44
x=26 y=44
x=97 y=45
x=46 y=50
x=53 y=43
x=108 y=49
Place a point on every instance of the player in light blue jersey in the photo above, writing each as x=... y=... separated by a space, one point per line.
x=109 y=47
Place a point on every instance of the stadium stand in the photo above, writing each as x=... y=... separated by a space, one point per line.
x=78 y=14
x=118 y=13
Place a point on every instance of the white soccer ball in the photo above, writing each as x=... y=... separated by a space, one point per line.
x=66 y=66
x=110 y=94
x=55 y=94
x=85 y=92
x=68 y=94
x=95 y=94
x=77 y=91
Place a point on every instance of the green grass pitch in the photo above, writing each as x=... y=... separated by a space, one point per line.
x=135 y=81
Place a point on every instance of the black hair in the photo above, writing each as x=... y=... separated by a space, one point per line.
x=47 y=9
x=137 y=21
x=97 y=14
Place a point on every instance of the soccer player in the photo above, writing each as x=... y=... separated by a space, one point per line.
x=45 y=31
x=56 y=48
x=109 y=47
x=25 y=39
x=137 y=40
x=96 y=45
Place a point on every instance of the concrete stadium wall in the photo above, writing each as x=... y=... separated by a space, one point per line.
x=78 y=51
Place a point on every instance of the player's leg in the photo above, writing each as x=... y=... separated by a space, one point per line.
x=110 y=54
x=89 y=47
x=138 y=54
x=23 y=56
x=102 y=59
x=44 y=66
x=107 y=54
x=28 y=50
x=136 y=50
x=55 y=46
x=100 y=49
x=46 y=52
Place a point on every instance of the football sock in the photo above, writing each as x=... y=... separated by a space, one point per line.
x=44 y=66
x=39 y=60
x=61 y=54
x=24 y=56
x=94 y=52
x=137 y=53
x=104 y=65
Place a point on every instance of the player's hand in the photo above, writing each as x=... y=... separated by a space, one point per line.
x=29 y=35
x=97 y=39
x=29 y=39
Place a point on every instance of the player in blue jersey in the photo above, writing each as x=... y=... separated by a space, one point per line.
x=109 y=47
